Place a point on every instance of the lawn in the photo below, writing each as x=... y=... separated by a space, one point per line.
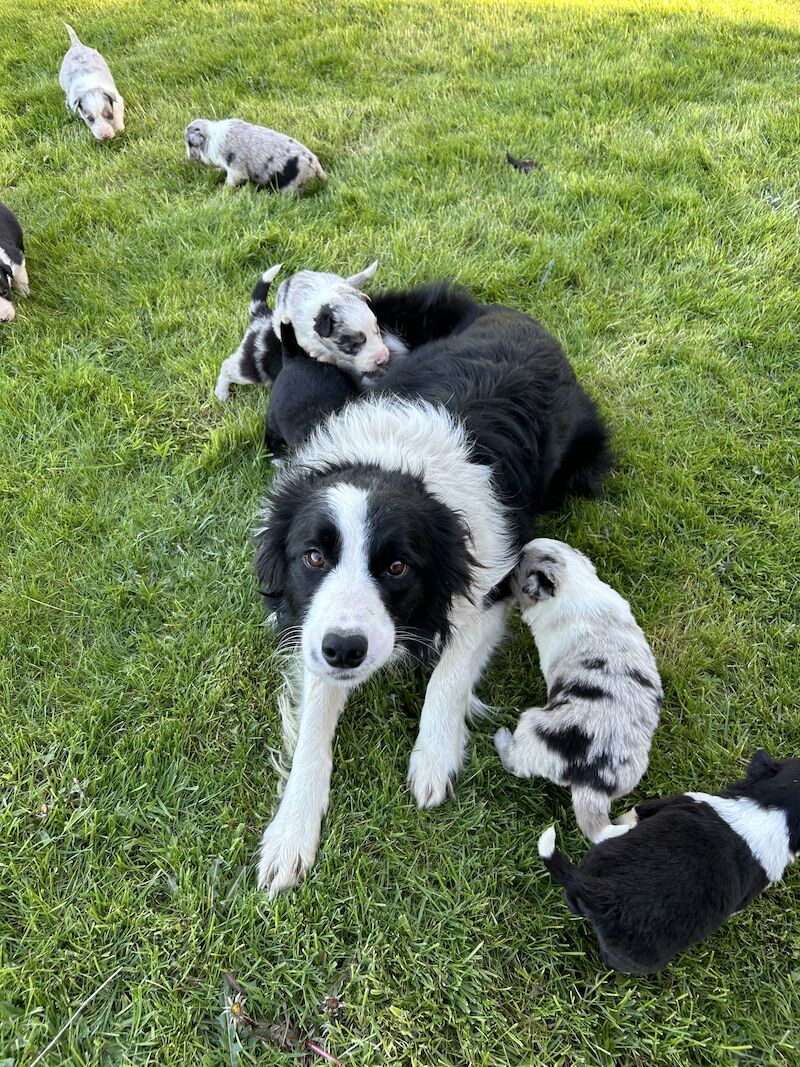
x=659 y=240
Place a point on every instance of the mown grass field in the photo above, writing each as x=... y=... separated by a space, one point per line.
x=659 y=241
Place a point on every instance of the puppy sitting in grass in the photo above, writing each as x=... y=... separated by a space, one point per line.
x=603 y=688
x=688 y=863
x=332 y=322
x=90 y=89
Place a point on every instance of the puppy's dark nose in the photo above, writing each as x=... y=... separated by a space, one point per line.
x=344 y=650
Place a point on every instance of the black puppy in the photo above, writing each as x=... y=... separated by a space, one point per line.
x=12 y=262
x=304 y=393
x=686 y=865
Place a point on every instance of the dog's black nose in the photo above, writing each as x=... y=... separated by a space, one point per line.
x=344 y=650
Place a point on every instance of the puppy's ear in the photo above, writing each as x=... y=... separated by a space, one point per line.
x=291 y=347
x=539 y=585
x=324 y=322
x=363 y=276
x=762 y=765
x=194 y=137
x=539 y=575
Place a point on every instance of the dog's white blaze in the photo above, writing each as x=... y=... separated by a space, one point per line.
x=348 y=599
x=763 y=830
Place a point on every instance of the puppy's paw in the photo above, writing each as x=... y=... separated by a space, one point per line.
x=285 y=857
x=222 y=390
x=431 y=777
x=504 y=743
x=628 y=820
x=612 y=830
x=7 y=312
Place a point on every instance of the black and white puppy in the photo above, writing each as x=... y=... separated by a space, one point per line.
x=687 y=864
x=304 y=393
x=12 y=262
x=332 y=323
x=603 y=687
x=393 y=528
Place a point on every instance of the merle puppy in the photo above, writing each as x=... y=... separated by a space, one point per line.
x=687 y=864
x=12 y=262
x=245 y=152
x=603 y=688
x=304 y=393
x=90 y=89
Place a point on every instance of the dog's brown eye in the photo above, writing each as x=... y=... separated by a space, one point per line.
x=314 y=558
x=397 y=569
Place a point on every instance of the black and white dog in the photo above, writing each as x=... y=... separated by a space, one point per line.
x=395 y=525
x=687 y=864
x=12 y=262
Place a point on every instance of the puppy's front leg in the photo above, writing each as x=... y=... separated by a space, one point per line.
x=438 y=754
x=290 y=842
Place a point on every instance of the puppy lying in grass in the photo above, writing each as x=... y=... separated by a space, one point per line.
x=12 y=262
x=90 y=89
x=332 y=323
x=686 y=865
x=603 y=688
x=248 y=153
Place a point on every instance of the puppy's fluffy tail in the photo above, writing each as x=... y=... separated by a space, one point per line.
x=560 y=868
x=73 y=37
x=258 y=297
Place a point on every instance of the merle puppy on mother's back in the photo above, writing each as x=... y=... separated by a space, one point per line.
x=394 y=527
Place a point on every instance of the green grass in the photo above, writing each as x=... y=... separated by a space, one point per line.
x=659 y=241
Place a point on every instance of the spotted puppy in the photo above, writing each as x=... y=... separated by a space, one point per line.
x=332 y=321
x=12 y=262
x=688 y=863
x=248 y=153
x=90 y=89
x=603 y=687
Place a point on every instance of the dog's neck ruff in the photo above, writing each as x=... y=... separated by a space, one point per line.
x=763 y=830
x=427 y=442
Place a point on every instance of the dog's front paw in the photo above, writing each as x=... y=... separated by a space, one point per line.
x=222 y=390
x=431 y=777
x=7 y=312
x=504 y=743
x=285 y=857
x=628 y=820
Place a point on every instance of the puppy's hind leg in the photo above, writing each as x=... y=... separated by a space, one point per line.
x=525 y=753
x=593 y=814
x=238 y=369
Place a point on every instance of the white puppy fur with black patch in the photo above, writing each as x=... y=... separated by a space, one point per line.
x=604 y=689
x=332 y=321
x=90 y=89
x=245 y=152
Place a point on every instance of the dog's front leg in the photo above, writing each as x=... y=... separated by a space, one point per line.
x=290 y=842
x=438 y=754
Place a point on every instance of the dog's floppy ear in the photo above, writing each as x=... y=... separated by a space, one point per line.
x=762 y=765
x=194 y=137
x=539 y=576
x=291 y=346
x=363 y=276
x=324 y=322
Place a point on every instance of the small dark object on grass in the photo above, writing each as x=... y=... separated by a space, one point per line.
x=526 y=165
x=286 y=1035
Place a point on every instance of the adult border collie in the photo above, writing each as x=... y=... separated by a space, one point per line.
x=395 y=525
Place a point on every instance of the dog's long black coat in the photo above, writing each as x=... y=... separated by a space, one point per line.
x=510 y=383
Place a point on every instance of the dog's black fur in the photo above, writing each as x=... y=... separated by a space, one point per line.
x=510 y=383
x=677 y=875
x=304 y=393
x=527 y=416
x=11 y=242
